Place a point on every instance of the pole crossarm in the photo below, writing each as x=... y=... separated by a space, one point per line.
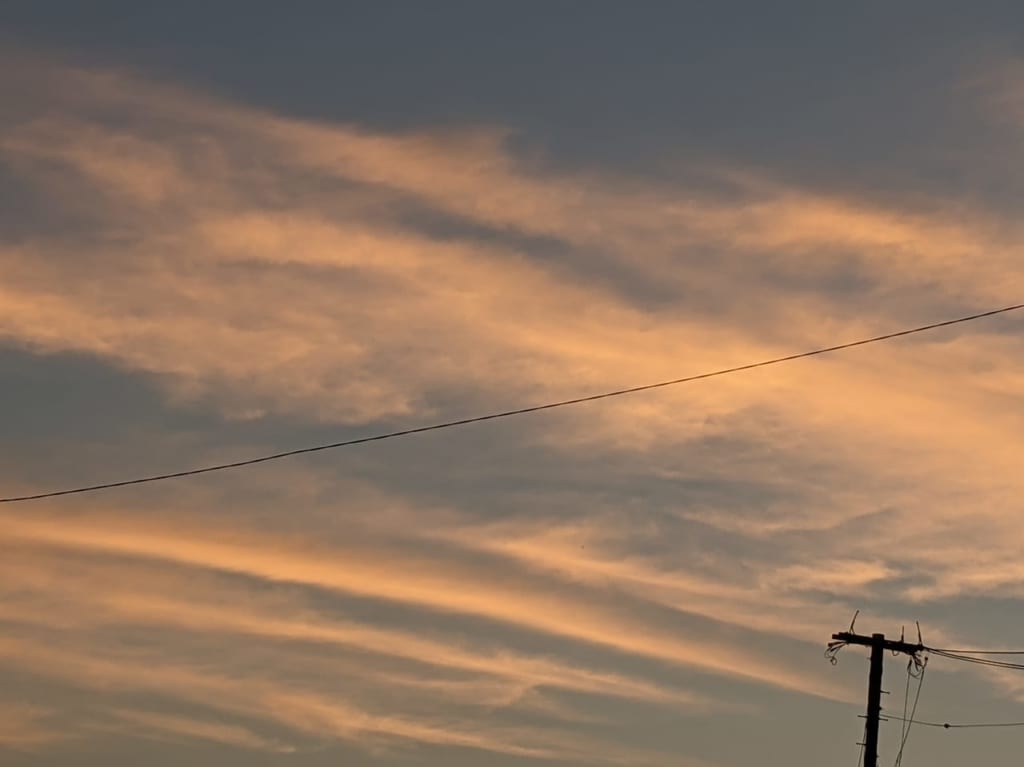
x=895 y=645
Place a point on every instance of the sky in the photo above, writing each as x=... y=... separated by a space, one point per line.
x=231 y=229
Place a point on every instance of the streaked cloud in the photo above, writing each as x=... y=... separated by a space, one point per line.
x=433 y=583
x=26 y=727
x=219 y=222
x=98 y=597
x=170 y=726
x=659 y=552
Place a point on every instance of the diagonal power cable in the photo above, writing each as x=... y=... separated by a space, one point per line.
x=506 y=413
x=960 y=725
x=909 y=721
x=989 y=662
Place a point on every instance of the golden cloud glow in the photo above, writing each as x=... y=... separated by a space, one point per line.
x=421 y=582
x=252 y=265
x=25 y=727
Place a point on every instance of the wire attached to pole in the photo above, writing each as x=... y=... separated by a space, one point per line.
x=921 y=665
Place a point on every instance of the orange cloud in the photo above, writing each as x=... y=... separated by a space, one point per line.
x=25 y=727
x=265 y=265
x=285 y=279
x=409 y=579
x=307 y=713
x=100 y=594
x=169 y=726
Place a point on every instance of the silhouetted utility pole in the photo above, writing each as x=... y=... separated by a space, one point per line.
x=878 y=644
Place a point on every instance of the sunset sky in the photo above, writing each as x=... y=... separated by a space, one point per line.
x=232 y=229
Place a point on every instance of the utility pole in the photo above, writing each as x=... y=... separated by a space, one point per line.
x=878 y=644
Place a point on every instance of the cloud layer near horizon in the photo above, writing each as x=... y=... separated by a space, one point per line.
x=266 y=270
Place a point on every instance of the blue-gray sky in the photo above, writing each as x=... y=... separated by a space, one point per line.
x=229 y=229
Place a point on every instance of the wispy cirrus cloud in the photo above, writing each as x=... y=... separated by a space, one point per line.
x=215 y=221
x=98 y=597
x=170 y=726
x=27 y=727
x=259 y=267
x=402 y=576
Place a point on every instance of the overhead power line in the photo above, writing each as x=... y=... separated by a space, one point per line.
x=908 y=721
x=980 y=661
x=975 y=652
x=957 y=725
x=505 y=413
